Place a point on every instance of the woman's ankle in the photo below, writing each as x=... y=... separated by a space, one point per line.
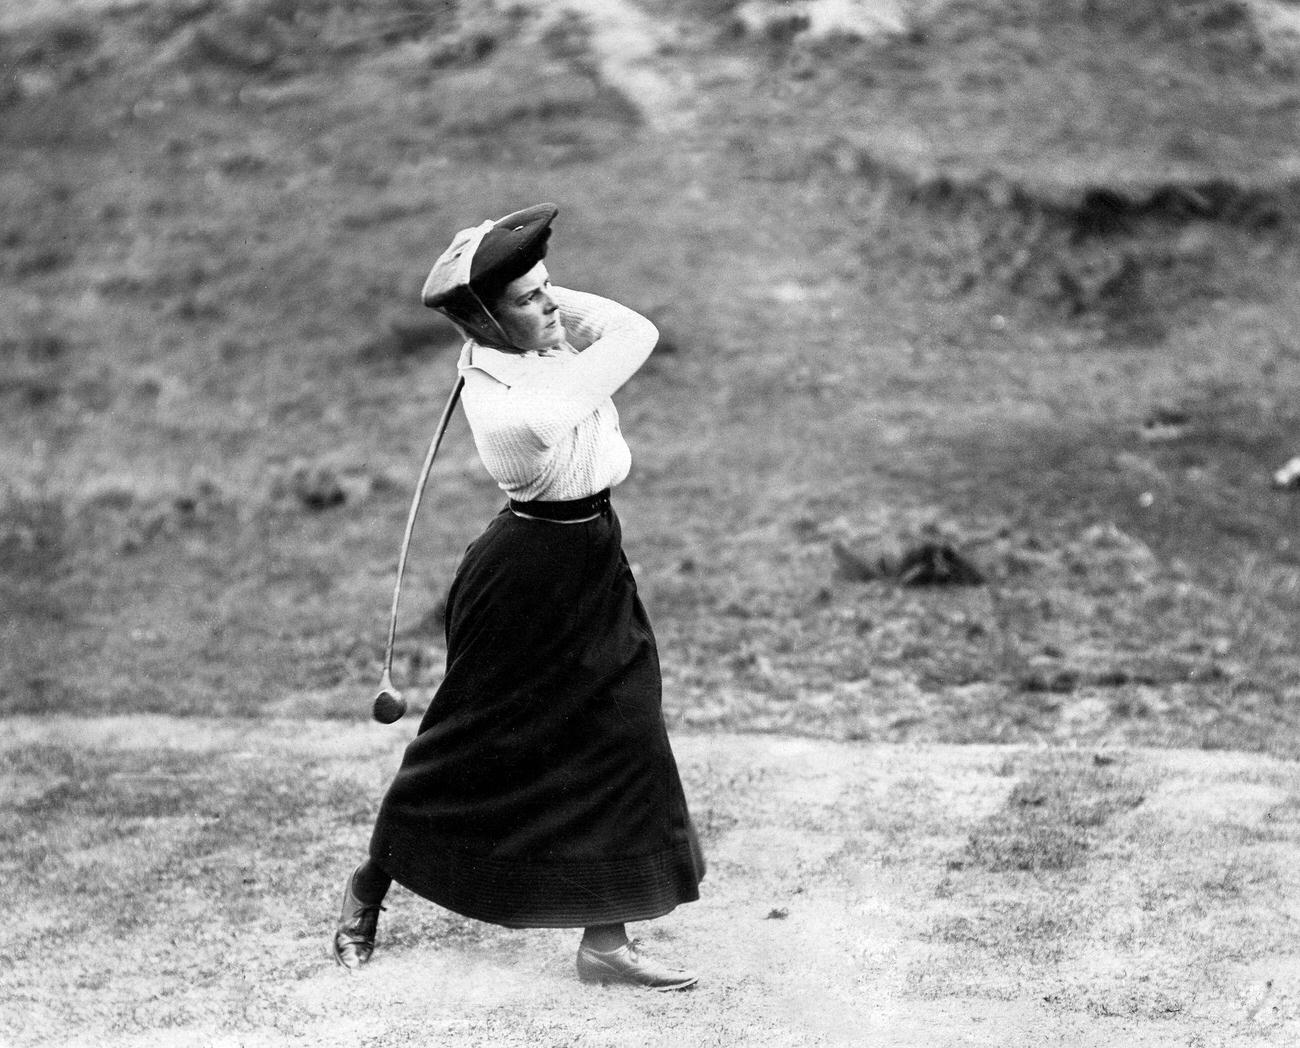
x=369 y=883
x=604 y=937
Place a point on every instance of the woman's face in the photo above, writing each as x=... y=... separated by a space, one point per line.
x=528 y=313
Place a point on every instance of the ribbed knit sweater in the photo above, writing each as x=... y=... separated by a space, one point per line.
x=544 y=422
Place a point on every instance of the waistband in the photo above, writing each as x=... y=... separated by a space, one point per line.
x=568 y=511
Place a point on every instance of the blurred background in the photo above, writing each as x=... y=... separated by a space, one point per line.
x=979 y=349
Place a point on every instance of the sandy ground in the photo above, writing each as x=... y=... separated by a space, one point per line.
x=841 y=908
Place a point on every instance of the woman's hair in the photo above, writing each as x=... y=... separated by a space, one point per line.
x=475 y=317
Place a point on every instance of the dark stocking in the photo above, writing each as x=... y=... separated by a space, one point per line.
x=370 y=883
x=604 y=937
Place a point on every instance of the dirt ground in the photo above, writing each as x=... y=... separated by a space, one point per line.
x=857 y=894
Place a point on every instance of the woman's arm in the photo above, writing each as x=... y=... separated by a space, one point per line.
x=613 y=342
x=546 y=406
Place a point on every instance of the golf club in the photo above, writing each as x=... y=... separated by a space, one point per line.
x=389 y=705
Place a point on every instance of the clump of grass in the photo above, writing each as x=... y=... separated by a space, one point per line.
x=568 y=37
x=34 y=547
x=33 y=530
x=117 y=516
x=48 y=43
x=30 y=372
x=1051 y=814
x=1039 y=935
x=274 y=38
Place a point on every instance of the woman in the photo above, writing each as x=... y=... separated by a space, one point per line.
x=541 y=790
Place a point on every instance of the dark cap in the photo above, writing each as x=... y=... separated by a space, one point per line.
x=487 y=257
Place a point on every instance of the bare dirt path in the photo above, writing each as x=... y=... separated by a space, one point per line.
x=625 y=42
x=857 y=894
x=641 y=56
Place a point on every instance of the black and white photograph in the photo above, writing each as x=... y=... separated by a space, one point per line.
x=650 y=523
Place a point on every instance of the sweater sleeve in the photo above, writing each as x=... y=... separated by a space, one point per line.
x=540 y=409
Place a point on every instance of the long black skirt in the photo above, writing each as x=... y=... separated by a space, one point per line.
x=541 y=790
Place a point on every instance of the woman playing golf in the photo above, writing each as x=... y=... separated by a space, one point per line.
x=540 y=790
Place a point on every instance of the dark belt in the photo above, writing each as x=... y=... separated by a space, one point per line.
x=567 y=511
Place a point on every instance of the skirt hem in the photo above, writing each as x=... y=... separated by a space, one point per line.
x=553 y=895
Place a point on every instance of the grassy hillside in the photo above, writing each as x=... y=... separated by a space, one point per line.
x=1020 y=280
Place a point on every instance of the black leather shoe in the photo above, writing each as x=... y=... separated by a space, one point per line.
x=626 y=965
x=354 y=941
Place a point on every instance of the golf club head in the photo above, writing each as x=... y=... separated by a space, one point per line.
x=389 y=706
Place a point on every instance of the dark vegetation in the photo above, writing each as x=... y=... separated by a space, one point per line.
x=1051 y=814
x=1017 y=284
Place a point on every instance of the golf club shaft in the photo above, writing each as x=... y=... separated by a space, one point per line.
x=415 y=508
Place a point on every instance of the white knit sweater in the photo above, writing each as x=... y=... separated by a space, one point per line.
x=543 y=421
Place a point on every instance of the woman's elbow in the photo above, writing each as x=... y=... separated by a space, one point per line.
x=647 y=335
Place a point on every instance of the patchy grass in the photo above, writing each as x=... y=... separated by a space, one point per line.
x=1059 y=97
x=841 y=898
x=1057 y=804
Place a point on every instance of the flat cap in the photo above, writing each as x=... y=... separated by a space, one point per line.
x=488 y=256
